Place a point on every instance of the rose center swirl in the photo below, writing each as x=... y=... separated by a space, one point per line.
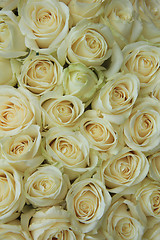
x=86 y=204
x=155 y=202
x=125 y=228
x=144 y=126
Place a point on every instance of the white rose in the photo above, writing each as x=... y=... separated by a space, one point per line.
x=78 y=79
x=61 y=110
x=12 y=198
x=117 y=97
x=143 y=60
x=71 y=149
x=122 y=20
x=89 y=9
x=23 y=150
x=45 y=186
x=40 y=74
x=123 y=221
x=13 y=230
x=18 y=110
x=99 y=132
x=150 y=14
x=51 y=223
x=154 y=166
x=7 y=70
x=88 y=43
x=44 y=24
x=148 y=197
x=87 y=201
x=124 y=170
x=142 y=129
x=12 y=41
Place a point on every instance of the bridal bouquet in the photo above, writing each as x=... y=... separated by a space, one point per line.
x=80 y=119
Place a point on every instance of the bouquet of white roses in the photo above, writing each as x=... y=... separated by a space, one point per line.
x=80 y=119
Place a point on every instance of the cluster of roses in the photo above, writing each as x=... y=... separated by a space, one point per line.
x=80 y=119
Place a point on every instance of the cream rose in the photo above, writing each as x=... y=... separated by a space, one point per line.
x=117 y=97
x=123 y=221
x=150 y=14
x=51 y=223
x=40 y=74
x=12 y=198
x=61 y=110
x=88 y=43
x=44 y=24
x=125 y=169
x=143 y=60
x=45 y=186
x=71 y=149
x=99 y=132
x=23 y=150
x=13 y=230
x=154 y=166
x=89 y=9
x=78 y=79
x=142 y=129
x=18 y=110
x=87 y=201
x=148 y=197
x=122 y=20
x=12 y=41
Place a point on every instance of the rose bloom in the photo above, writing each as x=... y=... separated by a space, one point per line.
x=40 y=74
x=52 y=223
x=45 y=186
x=18 y=110
x=13 y=230
x=12 y=41
x=142 y=129
x=12 y=197
x=61 y=110
x=150 y=14
x=123 y=221
x=148 y=197
x=44 y=24
x=117 y=97
x=99 y=132
x=90 y=9
x=78 y=79
x=125 y=169
x=71 y=149
x=122 y=20
x=88 y=43
x=143 y=60
x=23 y=150
x=154 y=166
x=8 y=72
x=87 y=201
